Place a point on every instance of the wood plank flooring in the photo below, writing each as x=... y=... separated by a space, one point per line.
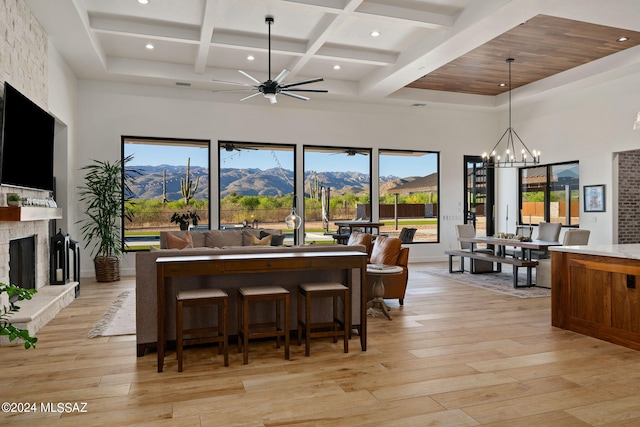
x=454 y=355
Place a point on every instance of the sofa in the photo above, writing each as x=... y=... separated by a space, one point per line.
x=219 y=242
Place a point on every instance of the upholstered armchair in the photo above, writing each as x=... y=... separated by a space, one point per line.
x=389 y=250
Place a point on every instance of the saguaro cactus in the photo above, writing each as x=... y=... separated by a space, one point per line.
x=164 y=187
x=187 y=187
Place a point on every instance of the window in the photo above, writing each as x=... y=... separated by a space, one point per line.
x=408 y=193
x=256 y=185
x=174 y=179
x=337 y=187
x=550 y=193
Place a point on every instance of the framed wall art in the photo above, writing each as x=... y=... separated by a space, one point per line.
x=594 y=198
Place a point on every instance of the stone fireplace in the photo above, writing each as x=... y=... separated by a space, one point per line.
x=14 y=231
x=25 y=261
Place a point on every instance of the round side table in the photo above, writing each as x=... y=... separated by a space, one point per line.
x=378 y=271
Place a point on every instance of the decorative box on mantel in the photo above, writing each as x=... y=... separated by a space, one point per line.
x=29 y=213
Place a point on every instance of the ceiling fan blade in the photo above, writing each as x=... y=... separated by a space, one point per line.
x=293 y=95
x=258 y=82
x=303 y=82
x=234 y=90
x=250 y=96
x=232 y=83
x=283 y=75
x=308 y=90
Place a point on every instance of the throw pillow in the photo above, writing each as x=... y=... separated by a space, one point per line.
x=256 y=241
x=276 y=239
x=385 y=250
x=179 y=242
x=365 y=239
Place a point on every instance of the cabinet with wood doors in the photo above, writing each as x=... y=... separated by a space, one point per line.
x=597 y=296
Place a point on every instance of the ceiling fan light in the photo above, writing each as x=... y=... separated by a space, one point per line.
x=271 y=97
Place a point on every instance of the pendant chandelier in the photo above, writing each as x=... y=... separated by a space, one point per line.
x=510 y=157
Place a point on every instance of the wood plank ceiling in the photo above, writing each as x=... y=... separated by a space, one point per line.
x=542 y=46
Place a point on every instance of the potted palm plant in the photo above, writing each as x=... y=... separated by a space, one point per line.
x=105 y=193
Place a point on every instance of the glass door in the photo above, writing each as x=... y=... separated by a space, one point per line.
x=478 y=195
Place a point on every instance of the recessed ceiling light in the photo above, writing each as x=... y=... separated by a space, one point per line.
x=375 y=33
x=149 y=46
x=336 y=67
x=250 y=58
x=623 y=39
x=502 y=84
x=143 y=1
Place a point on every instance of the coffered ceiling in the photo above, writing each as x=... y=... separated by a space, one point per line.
x=427 y=51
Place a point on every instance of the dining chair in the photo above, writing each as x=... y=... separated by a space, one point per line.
x=468 y=230
x=571 y=238
x=549 y=232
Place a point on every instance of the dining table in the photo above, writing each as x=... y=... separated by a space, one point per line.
x=501 y=243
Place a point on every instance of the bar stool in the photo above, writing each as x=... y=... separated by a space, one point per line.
x=336 y=328
x=277 y=329
x=197 y=298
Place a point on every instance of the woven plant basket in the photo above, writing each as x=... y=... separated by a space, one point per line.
x=107 y=268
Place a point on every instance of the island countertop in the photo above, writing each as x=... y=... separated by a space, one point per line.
x=628 y=251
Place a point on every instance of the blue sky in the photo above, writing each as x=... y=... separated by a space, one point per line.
x=267 y=159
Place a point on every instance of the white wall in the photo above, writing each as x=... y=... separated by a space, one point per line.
x=587 y=122
x=108 y=110
x=62 y=101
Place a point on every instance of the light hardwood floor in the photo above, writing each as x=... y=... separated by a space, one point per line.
x=454 y=355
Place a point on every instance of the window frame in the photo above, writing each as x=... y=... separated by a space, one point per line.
x=547 y=190
x=169 y=141
x=408 y=152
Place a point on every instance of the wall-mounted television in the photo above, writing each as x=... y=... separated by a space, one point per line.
x=26 y=144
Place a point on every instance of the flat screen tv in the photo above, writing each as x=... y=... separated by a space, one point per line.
x=26 y=146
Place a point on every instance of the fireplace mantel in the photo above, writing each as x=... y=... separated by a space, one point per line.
x=29 y=213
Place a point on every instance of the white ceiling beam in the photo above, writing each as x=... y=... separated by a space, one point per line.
x=361 y=56
x=410 y=15
x=206 y=34
x=322 y=33
x=144 y=29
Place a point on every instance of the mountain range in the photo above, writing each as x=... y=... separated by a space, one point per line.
x=247 y=182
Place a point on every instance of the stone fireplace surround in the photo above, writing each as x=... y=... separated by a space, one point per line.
x=49 y=300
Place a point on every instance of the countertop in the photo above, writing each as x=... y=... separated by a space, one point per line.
x=629 y=251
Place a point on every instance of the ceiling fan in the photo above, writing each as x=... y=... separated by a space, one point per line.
x=271 y=88
x=352 y=152
x=228 y=146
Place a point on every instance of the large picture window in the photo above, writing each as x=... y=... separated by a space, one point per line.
x=337 y=187
x=173 y=184
x=256 y=185
x=550 y=193
x=408 y=194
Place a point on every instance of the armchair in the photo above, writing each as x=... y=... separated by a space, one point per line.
x=389 y=250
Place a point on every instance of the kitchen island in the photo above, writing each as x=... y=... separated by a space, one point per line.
x=594 y=291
